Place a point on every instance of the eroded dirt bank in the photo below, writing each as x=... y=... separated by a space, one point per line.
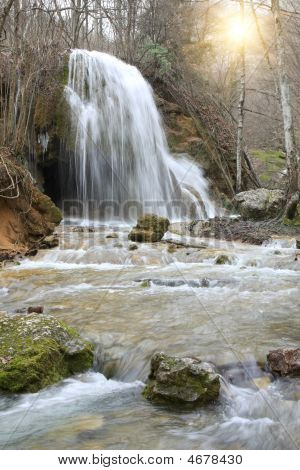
x=26 y=215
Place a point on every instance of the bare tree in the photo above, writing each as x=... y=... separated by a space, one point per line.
x=292 y=156
x=241 y=111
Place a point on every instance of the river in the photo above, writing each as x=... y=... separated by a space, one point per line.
x=231 y=315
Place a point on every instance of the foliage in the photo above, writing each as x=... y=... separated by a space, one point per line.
x=159 y=58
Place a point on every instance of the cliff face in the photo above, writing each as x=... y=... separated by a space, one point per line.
x=184 y=137
x=201 y=128
x=26 y=215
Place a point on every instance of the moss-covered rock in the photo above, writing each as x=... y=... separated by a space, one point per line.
x=181 y=380
x=223 y=259
x=150 y=228
x=45 y=205
x=38 y=350
x=295 y=221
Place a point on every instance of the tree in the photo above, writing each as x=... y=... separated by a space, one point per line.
x=241 y=111
x=292 y=155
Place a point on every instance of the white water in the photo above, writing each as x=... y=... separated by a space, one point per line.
x=243 y=311
x=121 y=152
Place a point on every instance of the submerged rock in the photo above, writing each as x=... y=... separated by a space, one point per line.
x=83 y=229
x=181 y=380
x=132 y=247
x=38 y=350
x=223 y=259
x=149 y=229
x=174 y=282
x=259 y=204
x=112 y=235
x=284 y=361
x=38 y=309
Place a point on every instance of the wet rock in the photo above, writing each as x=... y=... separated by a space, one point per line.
x=132 y=247
x=172 y=249
x=21 y=310
x=260 y=204
x=181 y=380
x=52 y=241
x=223 y=259
x=117 y=245
x=112 y=235
x=42 y=351
x=146 y=284
x=298 y=244
x=262 y=382
x=149 y=229
x=83 y=229
x=174 y=282
x=205 y=282
x=32 y=252
x=35 y=309
x=284 y=361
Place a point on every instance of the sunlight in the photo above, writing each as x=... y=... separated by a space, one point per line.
x=237 y=30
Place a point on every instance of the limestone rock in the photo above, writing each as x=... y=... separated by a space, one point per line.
x=38 y=350
x=150 y=228
x=181 y=380
x=259 y=204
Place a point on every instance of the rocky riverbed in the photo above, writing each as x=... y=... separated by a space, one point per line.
x=229 y=314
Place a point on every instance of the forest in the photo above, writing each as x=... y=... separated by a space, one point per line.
x=149 y=224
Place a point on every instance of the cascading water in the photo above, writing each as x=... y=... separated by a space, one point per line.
x=121 y=156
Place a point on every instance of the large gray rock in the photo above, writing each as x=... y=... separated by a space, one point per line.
x=284 y=361
x=149 y=229
x=181 y=380
x=260 y=204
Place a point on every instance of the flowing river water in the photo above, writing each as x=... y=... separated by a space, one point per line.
x=231 y=315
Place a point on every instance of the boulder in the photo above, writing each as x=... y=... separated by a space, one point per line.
x=260 y=204
x=38 y=350
x=183 y=380
x=284 y=361
x=150 y=228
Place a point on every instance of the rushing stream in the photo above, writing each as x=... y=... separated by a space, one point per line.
x=227 y=314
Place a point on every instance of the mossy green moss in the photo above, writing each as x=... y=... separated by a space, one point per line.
x=37 y=351
x=150 y=228
x=268 y=164
x=45 y=205
x=183 y=386
x=295 y=222
x=181 y=381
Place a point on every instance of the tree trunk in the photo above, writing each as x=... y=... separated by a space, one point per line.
x=241 y=111
x=4 y=15
x=292 y=156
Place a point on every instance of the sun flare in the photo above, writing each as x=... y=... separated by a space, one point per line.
x=237 y=30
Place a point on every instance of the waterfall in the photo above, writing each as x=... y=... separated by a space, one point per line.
x=121 y=156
